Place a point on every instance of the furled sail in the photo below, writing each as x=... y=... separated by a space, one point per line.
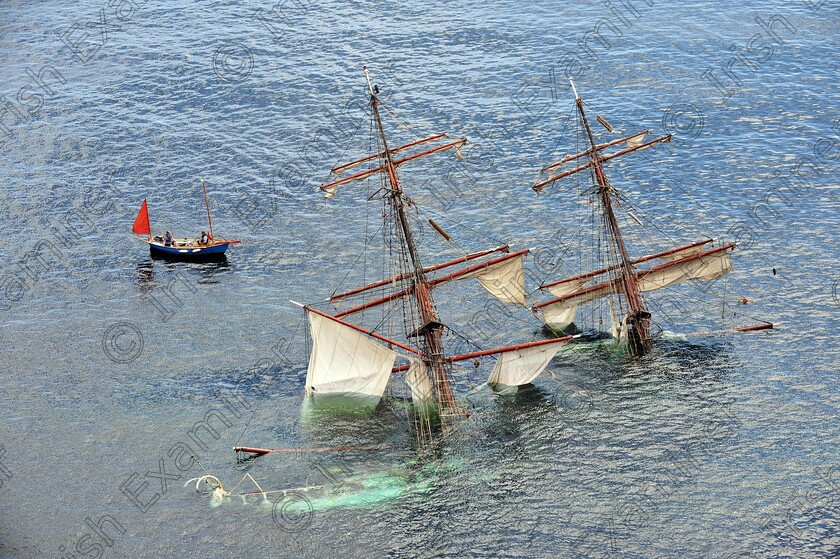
x=345 y=361
x=521 y=366
x=505 y=280
x=707 y=265
x=331 y=187
x=339 y=169
x=690 y=250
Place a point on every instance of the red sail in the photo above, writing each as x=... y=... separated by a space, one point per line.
x=141 y=223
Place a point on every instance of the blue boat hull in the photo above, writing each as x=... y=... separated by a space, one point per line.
x=194 y=252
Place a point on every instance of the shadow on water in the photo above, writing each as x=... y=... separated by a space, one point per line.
x=601 y=349
x=145 y=273
x=210 y=269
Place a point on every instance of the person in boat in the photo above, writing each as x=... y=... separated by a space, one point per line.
x=205 y=238
x=167 y=240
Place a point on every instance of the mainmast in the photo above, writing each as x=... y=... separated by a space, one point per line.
x=639 y=317
x=431 y=329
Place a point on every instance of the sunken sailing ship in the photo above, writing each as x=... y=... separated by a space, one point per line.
x=621 y=282
x=350 y=359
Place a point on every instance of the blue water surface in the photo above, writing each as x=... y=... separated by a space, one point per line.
x=721 y=446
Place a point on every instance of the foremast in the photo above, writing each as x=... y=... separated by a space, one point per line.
x=431 y=329
x=638 y=319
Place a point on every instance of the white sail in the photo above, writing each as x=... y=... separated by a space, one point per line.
x=561 y=314
x=345 y=361
x=505 y=281
x=568 y=287
x=343 y=169
x=702 y=268
x=636 y=140
x=330 y=191
x=521 y=366
x=417 y=379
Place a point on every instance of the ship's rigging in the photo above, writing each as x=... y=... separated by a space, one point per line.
x=621 y=281
x=350 y=359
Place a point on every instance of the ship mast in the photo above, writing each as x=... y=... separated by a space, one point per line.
x=207 y=204
x=639 y=317
x=431 y=329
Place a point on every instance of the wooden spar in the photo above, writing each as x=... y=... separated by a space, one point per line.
x=431 y=328
x=600 y=147
x=662 y=139
x=584 y=291
x=639 y=275
x=477 y=267
x=467 y=258
x=753 y=328
x=207 y=203
x=640 y=340
x=395 y=164
x=439 y=229
x=430 y=283
x=636 y=261
x=261 y=451
x=540 y=185
x=380 y=154
x=485 y=352
x=482 y=353
x=604 y=123
x=665 y=265
x=765 y=326
x=368 y=332
x=375 y=302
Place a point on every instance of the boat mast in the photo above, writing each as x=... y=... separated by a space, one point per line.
x=432 y=330
x=639 y=317
x=207 y=203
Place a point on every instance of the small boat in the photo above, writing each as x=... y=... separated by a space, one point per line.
x=205 y=247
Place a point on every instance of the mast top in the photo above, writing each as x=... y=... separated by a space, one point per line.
x=571 y=81
x=373 y=91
